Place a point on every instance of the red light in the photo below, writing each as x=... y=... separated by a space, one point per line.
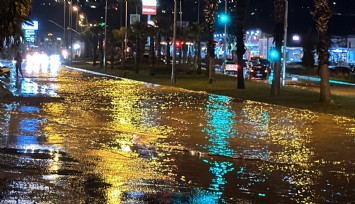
x=178 y=44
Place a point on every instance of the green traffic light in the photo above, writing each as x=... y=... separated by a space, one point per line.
x=102 y=24
x=274 y=55
x=224 y=18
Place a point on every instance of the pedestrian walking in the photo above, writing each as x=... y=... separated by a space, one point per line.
x=18 y=59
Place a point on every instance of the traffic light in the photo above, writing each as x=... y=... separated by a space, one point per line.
x=224 y=18
x=102 y=24
x=274 y=55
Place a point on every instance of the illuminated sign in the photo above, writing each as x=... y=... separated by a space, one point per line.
x=149 y=7
x=30 y=27
x=133 y=18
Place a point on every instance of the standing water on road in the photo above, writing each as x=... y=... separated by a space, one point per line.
x=120 y=141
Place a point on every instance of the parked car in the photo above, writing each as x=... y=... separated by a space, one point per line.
x=231 y=68
x=259 y=71
x=344 y=71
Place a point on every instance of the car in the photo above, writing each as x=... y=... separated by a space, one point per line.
x=259 y=71
x=257 y=60
x=231 y=68
x=343 y=71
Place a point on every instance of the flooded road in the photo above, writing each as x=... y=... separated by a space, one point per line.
x=108 y=140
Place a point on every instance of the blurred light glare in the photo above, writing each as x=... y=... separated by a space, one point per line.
x=76 y=46
x=65 y=54
x=54 y=58
x=296 y=38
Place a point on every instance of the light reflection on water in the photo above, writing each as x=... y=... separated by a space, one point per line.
x=157 y=144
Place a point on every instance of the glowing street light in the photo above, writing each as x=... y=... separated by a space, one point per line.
x=296 y=38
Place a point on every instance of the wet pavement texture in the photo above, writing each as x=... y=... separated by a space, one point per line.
x=103 y=139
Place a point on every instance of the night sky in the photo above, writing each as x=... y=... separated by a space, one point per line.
x=260 y=14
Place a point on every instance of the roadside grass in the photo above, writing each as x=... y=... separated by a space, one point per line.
x=299 y=94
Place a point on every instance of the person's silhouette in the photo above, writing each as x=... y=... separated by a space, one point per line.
x=18 y=59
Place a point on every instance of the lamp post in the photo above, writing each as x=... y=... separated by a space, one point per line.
x=64 y=36
x=225 y=37
x=125 y=35
x=70 y=30
x=173 y=68
x=104 y=58
x=285 y=45
x=180 y=15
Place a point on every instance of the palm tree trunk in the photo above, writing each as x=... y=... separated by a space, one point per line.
x=325 y=95
x=199 y=70
x=158 y=40
x=167 y=53
x=322 y=15
x=211 y=56
x=240 y=52
x=138 y=48
x=279 y=8
x=152 y=55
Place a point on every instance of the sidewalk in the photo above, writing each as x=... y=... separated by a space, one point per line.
x=303 y=93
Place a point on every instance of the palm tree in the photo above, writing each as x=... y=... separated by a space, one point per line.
x=139 y=31
x=95 y=38
x=119 y=36
x=279 y=10
x=195 y=31
x=164 y=23
x=322 y=15
x=152 y=33
x=12 y=15
x=210 y=11
x=86 y=36
x=241 y=10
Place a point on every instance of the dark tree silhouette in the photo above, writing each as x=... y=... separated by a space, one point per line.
x=279 y=10
x=210 y=16
x=241 y=10
x=322 y=14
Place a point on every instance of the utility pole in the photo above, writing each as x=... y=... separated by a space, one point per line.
x=225 y=37
x=104 y=58
x=125 y=35
x=70 y=30
x=198 y=11
x=64 y=27
x=180 y=16
x=173 y=71
x=285 y=45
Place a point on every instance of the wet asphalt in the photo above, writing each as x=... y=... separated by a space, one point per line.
x=77 y=137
